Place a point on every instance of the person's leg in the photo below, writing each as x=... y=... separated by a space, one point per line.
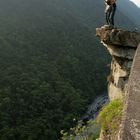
x=108 y=12
x=107 y=18
x=113 y=14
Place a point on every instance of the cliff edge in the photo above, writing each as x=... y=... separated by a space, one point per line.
x=122 y=46
x=124 y=78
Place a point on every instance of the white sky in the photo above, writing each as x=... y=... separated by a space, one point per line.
x=137 y=2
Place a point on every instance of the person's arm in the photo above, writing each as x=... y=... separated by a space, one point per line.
x=108 y=2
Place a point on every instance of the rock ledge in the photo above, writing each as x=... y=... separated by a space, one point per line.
x=122 y=46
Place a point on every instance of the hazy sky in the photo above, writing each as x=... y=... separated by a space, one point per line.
x=137 y=2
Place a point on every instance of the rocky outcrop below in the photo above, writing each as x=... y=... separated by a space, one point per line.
x=122 y=46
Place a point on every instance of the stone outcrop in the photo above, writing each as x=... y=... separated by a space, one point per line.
x=121 y=45
x=124 y=79
x=118 y=36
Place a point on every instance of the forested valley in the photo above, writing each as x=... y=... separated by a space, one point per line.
x=51 y=66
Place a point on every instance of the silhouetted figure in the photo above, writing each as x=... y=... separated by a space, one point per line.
x=110 y=11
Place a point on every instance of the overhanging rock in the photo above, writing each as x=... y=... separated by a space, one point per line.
x=122 y=46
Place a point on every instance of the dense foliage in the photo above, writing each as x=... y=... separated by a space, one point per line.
x=83 y=131
x=50 y=66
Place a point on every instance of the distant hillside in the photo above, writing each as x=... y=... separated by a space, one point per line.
x=89 y=12
x=130 y=10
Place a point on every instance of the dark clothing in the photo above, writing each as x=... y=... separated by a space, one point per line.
x=113 y=13
x=110 y=14
x=107 y=16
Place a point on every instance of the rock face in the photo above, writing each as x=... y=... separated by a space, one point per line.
x=124 y=79
x=131 y=120
x=122 y=46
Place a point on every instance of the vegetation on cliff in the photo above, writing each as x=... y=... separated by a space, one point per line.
x=110 y=116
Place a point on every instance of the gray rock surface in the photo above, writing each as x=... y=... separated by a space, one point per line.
x=131 y=120
x=124 y=81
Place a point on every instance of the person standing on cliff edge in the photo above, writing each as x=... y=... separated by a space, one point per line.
x=110 y=11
